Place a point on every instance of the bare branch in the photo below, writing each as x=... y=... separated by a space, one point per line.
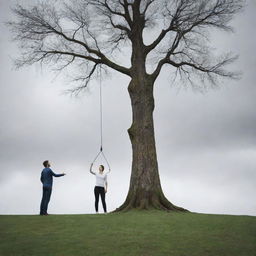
x=147 y=5
x=193 y=15
x=85 y=81
x=37 y=31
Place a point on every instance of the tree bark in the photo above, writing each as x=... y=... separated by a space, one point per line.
x=145 y=190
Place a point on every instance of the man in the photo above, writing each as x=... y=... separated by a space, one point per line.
x=46 y=179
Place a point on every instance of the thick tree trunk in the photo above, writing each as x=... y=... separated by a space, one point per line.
x=145 y=190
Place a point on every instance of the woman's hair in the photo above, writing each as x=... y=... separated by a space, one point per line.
x=102 y=166
x=45 y=163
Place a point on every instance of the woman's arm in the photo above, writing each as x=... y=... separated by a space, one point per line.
x=106 y=187
x=108 y=171
x=91 y=171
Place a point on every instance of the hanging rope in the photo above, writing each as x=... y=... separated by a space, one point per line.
x=101 y=128
x=101 y=115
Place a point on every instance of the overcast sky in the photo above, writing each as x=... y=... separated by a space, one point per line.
x=206 y=143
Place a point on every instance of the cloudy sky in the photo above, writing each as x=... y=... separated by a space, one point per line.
x=206 y=143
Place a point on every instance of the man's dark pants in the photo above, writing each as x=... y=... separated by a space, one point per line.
x=47 y=191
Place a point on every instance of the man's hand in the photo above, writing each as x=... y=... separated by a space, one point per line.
x=106 y=190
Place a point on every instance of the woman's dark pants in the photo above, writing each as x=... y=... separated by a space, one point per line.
x=100 y=191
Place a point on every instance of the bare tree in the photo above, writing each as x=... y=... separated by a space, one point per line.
x=92 y=33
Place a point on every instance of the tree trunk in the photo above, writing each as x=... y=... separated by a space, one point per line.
x=145 y=190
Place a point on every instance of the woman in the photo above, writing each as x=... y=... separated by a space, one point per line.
x=100 y=188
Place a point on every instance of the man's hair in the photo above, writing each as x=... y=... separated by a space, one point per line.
x=102 y=167
x=45 y=163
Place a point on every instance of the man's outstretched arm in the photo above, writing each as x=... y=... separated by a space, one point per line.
x=57 y=175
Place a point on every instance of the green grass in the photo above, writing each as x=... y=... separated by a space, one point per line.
x=130 y=234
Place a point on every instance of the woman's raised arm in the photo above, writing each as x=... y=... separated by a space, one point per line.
x=91 y=171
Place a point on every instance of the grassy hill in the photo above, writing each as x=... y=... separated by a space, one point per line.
x=130 y=234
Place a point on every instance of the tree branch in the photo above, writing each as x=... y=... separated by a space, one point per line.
x=34 y=28
x=191 y=15
x=85 y=81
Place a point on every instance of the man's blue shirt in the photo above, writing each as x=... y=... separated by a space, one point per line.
x=46 y=177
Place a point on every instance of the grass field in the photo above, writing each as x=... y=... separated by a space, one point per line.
x=130 y=234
